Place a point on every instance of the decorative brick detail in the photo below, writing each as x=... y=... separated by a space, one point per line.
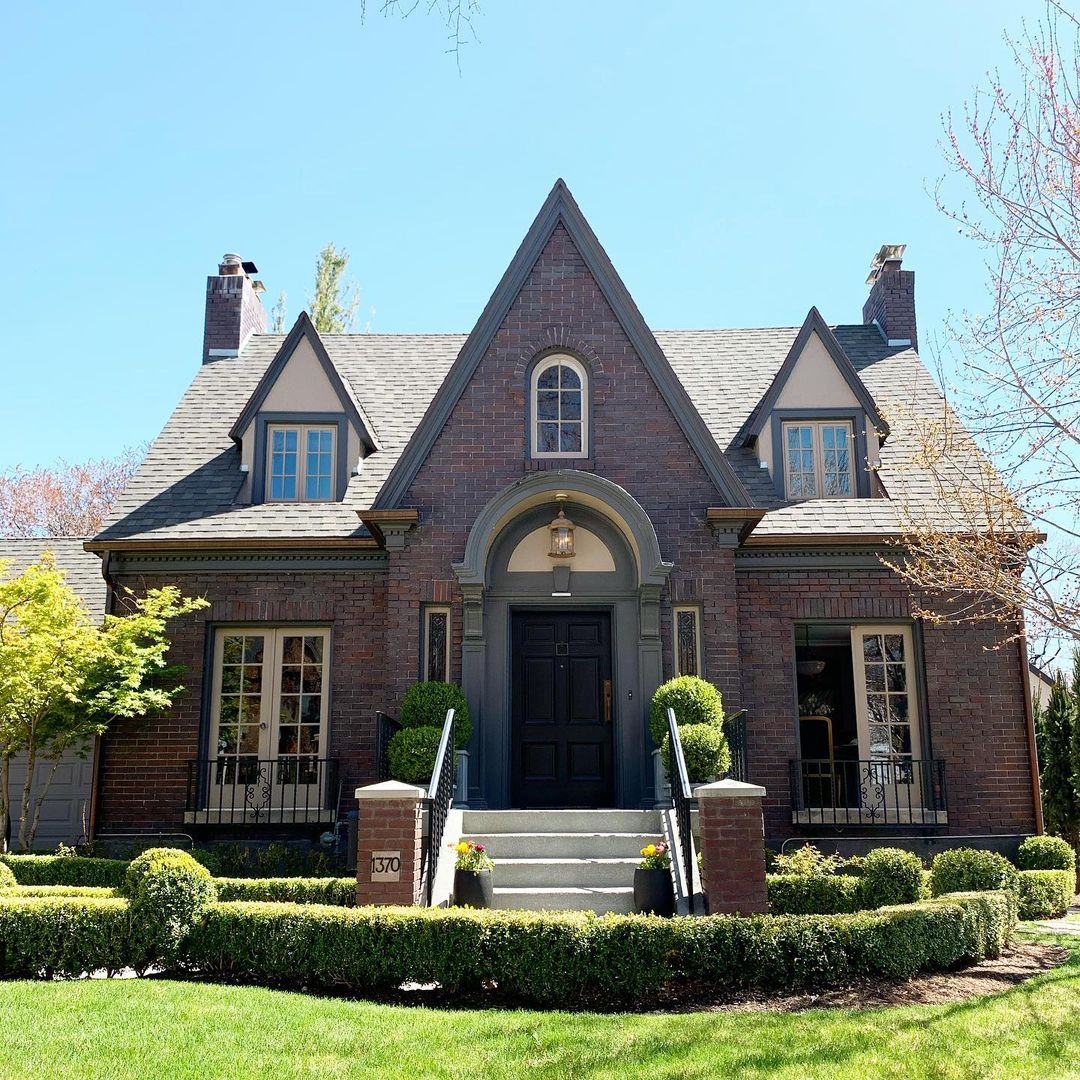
x=391 y=820
x=732 y=848
x=892 y=303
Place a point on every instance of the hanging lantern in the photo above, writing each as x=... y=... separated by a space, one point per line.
x=562 y=534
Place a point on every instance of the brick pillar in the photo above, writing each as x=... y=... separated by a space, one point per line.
x=389 y=833
x=732 y=847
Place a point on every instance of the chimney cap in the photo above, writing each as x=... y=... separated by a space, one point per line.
x=249 y=268
x=887 y=253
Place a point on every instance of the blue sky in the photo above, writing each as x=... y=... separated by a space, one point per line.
x=739 y=163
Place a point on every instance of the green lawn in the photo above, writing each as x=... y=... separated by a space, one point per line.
x=149 y=1028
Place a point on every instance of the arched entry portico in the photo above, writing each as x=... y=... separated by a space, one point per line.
x=506 y=580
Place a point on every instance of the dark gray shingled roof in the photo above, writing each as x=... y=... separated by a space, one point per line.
x=82 y=568
x=187 y=487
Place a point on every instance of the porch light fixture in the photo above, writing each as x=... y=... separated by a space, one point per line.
x=562 y=533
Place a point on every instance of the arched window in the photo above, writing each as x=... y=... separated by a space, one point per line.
x=559 y=397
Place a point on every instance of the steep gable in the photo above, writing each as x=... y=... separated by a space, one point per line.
x=561 y=212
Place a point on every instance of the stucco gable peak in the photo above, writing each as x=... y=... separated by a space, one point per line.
x=304 y=330
x=813 y=325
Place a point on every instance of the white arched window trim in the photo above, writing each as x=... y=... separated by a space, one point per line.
x=535 y=419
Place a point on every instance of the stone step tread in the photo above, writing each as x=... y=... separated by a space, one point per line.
x=564 y=890
x=465 y=835
x=560 y=821
x=542 y=860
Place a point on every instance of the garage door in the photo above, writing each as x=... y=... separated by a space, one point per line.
x=66 y=810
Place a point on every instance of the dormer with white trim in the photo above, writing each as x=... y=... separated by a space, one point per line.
x=816 y=429
x=303 y=431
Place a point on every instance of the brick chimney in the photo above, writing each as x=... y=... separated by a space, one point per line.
x=234 y=310
x=891 y=303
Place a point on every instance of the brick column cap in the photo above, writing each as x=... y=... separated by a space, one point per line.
x=391 y=789
x=729 y=789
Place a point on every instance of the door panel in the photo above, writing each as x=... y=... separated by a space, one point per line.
x=562 y=745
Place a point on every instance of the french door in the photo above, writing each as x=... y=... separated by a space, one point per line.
x=268 y=718
x=887 y=711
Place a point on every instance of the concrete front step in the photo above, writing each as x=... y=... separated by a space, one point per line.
x=546 y=845
x=560 y=821
x=556 y=873
x=600 y=900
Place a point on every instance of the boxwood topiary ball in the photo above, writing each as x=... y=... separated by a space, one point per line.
x=411 y=753
x=705 y=749
x=1046 y=853
x=694 y=700
x=425 y=705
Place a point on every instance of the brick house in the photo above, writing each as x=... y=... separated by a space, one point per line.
x=366 y=510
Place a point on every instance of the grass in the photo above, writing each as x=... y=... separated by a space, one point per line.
x=152 y=1028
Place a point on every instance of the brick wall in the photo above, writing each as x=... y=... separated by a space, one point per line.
x=144 y=762
x=892 y=303
x=975 y=694
x=233 y=312
x=636 y=442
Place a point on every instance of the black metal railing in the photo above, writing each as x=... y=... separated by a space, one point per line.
x=735 y=733
x=243 y=790
x=878 y=792
x=683 y=801
x=439 y=797
x=385 y=729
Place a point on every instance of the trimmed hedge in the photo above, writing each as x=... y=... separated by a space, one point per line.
x=891 y=876
x=1045 y=894
x=53 y=892
x=567 y=957
x=66 y=870
x=7 y=880
x=411 y=754
x=813 y=894
x=705 y=749
x=425 y=705
x=338 y=892
x=694 y=700
x=63 y=936
x=970 y=869
x=1046 y=853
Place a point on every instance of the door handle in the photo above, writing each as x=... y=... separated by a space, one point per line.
x=607 y=701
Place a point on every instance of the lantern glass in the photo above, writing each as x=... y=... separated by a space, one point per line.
x=562 y=537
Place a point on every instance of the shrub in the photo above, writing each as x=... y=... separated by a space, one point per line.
x=694 y=700
x=25 y=892
x=813 y=894
x=970 y=870
x=411 y=754
x=1045 y=894
x=566 y=958
x=7 y=880
x=168 y=890
x=65 y=870
x=704 y=748
x=1046 y=853
x=339 y=892
x=806 y=860
x=265 y=861
x=62 y=936
x=890 y=876
x=425 y=705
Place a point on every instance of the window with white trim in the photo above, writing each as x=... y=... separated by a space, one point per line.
x=819 y=459
x=686 y=639
x=560 y=413
x=301 y=462
x=436 y=659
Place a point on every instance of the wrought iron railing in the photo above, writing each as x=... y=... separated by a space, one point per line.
x=439 y=797
x=683 y=801
x=735 y=732
x=878 y=792
x=385 y=729
x=243 y=790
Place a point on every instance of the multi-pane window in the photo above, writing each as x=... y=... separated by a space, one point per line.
x=687 y=640
x=301 y=463
x=560 y=408
x=269 y=708
x=437 y=644
x=819 y=460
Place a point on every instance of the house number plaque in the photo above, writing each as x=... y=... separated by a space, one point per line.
x=386 y=866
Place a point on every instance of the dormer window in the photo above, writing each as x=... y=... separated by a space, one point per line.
x=559 y=394
x=301 y=463
x=819 y=459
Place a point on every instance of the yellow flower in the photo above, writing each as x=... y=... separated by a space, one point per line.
x=649 y=849
x=461 y=847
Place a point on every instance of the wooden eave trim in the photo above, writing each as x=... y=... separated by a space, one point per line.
x=749 y=516
x=389 y=517
x=336 y=543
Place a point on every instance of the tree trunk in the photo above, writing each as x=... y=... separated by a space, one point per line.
x=24 y=802
x=5 y=803
x=32 y=832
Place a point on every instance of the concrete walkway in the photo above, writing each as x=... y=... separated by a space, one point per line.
x=1065 y=925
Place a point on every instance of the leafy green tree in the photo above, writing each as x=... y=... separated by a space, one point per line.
x=334 y=303
x=64 y=678
x=1056 y=738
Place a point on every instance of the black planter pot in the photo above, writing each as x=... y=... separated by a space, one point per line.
x=654 y=893
x=472 y=888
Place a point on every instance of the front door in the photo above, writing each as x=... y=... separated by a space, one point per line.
x=561 y=710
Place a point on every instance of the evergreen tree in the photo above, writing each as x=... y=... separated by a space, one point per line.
x=1058 y=741
x=334 y=303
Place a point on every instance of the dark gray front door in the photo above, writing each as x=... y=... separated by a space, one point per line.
x=561 y=710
